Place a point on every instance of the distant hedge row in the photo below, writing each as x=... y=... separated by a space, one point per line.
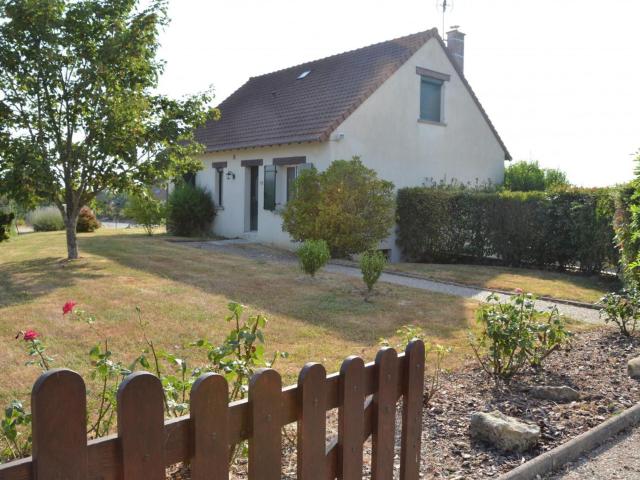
x=565 y=228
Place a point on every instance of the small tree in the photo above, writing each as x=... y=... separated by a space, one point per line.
x=372 y=264
x=146 y=210
x=78 y=108
x=313 y=255
x=530 y=177
x=347 y=205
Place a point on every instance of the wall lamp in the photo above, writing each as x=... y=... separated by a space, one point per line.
x=230 y=175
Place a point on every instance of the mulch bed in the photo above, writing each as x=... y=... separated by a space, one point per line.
x=595 y=365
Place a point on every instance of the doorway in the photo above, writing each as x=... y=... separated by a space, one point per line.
x=253 y=198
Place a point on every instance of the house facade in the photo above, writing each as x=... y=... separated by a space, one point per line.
x=402 y=106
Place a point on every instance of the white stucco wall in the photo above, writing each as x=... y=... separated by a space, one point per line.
x=385 y=132
x=232 y=219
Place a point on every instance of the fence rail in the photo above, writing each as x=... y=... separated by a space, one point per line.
x=365 y=396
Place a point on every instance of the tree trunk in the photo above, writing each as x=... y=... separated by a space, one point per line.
x=71 y=222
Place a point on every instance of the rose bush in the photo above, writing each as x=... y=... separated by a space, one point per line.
x=237 y=358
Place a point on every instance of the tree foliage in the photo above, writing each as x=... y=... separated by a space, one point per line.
x=530 y=177
x=78 y=109
x=347 y=205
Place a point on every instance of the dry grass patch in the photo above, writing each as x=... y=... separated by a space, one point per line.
x=183 y=293
x=570 y=286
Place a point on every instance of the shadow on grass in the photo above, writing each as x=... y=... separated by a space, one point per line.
x=333 y=302
x=21 y=281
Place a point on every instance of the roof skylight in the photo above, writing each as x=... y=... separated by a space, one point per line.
x=304 y=74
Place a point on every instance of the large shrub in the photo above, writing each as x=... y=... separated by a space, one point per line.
x=313 y=255
x=347 y=205
x=560 y=228
x=45 y=219
x=190 y=211
x=87 y=221
x=146 y=210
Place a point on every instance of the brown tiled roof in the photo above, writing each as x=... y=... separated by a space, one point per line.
x=278 y=108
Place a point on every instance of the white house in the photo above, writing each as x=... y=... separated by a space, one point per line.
x=403 y=106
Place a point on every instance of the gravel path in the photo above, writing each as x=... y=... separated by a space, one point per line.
x=618 y=459
x=255 y=251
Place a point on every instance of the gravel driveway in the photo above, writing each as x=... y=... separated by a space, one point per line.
x=255 y=251
x=618 y=459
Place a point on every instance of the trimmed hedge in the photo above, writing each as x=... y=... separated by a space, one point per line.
x=572 y=227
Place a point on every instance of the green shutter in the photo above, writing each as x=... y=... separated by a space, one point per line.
x=270 y=187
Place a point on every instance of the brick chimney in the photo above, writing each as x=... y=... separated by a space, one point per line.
x=455 y=45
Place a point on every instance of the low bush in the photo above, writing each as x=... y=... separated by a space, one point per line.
x=190 y=211
x=514 y=334
x=87 y=221
x=372 y=264
x=144 y=209
x=313 y=255
x=45 y=219
x=561 y=228
x=6 y=222
x=623 y=309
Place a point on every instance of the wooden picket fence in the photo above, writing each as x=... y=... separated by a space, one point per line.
x=365 y=396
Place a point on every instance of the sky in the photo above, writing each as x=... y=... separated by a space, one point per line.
x=560 y=79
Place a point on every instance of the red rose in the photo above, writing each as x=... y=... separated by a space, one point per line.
x=30 y=335
x=68 y=307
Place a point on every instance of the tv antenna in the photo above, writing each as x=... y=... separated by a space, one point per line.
x=444 y=6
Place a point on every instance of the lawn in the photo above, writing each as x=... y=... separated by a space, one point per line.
x=183 y=292
x=570 y=286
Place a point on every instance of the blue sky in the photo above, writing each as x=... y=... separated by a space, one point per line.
x=560 y=79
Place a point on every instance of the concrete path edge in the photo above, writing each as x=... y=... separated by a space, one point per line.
x=575 y=448
x=574 y=303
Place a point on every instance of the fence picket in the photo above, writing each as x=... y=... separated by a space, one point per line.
x=351 y=419
x=312 y=426
x=413 y=388
x=265 y=442
x=384 y=401
x=210 y=424
x=146 y=444
x=58 y=403
x=141 y=427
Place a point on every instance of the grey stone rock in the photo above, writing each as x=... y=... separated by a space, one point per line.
x=506 y=433
x=633 y=367
x=555 y=394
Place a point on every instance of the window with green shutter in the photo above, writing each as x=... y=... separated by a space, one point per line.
x=270 y=187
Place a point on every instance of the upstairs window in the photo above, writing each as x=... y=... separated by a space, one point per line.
x=431 y=99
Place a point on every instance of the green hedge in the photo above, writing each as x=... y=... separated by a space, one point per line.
x=562 y=228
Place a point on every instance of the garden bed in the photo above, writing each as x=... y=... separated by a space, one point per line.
x=595 y=366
